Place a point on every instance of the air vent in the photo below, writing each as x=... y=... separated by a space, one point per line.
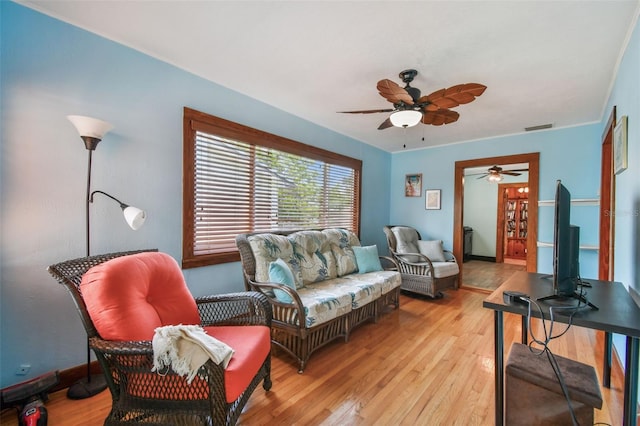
x=540 y=127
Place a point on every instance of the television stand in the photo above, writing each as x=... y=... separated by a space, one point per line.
x=585 y=284
x=575 y=295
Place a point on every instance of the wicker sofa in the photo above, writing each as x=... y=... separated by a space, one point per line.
x=333 y=290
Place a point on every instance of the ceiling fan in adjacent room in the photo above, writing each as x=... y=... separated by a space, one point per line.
x=410 y=108
x=495 y=173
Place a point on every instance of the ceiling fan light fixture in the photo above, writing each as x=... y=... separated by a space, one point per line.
x=495 y=177
x=405 y=118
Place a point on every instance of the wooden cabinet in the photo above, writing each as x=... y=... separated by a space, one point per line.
x=516 y=221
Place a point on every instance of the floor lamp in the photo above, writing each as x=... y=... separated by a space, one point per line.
x=92 y=131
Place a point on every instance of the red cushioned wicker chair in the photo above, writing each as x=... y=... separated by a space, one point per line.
x=139 y=396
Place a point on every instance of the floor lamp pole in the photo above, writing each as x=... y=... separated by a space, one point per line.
x=87 y=203
x=90 y=385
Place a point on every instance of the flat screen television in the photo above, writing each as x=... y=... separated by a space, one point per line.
x=566 y=246
x=566 y=250
x=566 y=253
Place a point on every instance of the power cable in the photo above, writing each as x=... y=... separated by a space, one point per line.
x=548 y=336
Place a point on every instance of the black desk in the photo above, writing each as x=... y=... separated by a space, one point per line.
x=618 y=313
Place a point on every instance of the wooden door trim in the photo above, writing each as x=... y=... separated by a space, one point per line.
x=607 y=202
x=533 y=159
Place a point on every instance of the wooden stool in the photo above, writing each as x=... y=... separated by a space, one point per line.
x=534 y=396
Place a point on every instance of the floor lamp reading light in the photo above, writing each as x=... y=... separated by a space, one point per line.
x=92 y=131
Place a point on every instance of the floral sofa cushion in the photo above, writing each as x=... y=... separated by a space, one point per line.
x=323 y=301
x=269 y=247
x=329 y=299
x=312 y=252
x=384 y=281
x=361 y=291
x=341 y=242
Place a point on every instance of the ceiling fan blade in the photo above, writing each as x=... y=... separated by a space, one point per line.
x=483 y=176
x=440 y=117
x=394 y=93
x=456 y=95
x=367 y=111
x=428 y=106
x=385 y=124
x=510 y=173
x=438 y=99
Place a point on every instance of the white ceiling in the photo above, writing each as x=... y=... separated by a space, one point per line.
x=542 y=61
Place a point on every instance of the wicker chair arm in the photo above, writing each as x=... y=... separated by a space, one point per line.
x=245 y=308
x=422 y=267
x=386 y=261
x=122 y=347
x=292 y=313
x=450 y=255
x=402 y=258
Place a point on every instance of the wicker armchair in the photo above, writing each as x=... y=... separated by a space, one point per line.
x=140 y=396
x=420 y=273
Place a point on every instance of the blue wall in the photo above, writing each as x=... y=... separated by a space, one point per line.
x=51 y=69
x=570 y=154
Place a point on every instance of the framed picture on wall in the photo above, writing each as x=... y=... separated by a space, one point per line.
x=432 y=199
x=413 y=185
x=620 y=146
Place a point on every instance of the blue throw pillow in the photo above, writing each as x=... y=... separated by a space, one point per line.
x=367 y=259
x=280 y=273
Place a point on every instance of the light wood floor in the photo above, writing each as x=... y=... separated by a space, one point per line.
x=428 y=363
x=488 y=275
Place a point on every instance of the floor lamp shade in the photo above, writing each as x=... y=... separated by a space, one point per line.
x=134 y=217
x=90 y=127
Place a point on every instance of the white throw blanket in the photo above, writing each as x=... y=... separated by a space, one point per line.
x=185 y=348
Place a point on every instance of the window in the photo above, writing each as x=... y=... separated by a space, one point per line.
x=239 y=180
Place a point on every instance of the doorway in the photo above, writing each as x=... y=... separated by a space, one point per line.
x=533 y=160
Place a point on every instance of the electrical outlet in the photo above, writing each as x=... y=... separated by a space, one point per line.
x=23 y=369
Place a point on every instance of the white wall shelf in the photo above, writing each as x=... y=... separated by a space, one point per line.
x=582 y=246
x=575 y=202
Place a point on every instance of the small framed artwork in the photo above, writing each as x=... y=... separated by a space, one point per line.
x=620 y=146
x=413 y=185
x=432 y=199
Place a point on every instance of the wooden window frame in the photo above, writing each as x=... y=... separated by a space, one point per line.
x=194 y=121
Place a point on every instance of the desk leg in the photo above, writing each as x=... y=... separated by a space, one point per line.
x=631 y=381
x=525 y=331
x=499 y=365
x=606 y=369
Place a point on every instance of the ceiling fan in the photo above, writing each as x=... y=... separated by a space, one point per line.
x=495 y=173
x=409 y=108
